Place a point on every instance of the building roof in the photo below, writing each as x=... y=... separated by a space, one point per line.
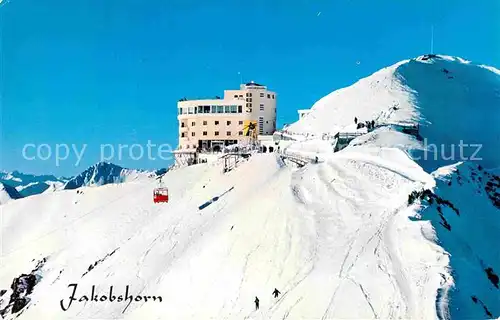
x=251 y=83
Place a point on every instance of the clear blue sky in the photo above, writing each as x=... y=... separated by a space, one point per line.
x=105 y=71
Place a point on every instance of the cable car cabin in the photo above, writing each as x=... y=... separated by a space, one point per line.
x=160 y=195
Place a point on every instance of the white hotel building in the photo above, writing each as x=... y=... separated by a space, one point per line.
x=210 y=124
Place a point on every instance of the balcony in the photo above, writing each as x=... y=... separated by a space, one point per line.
x=210 y=109
x=199 y=98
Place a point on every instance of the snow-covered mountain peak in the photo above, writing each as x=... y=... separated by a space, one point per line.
x=452 y=100
x=103 y=173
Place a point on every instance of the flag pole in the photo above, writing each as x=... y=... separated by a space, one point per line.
x=432 y=39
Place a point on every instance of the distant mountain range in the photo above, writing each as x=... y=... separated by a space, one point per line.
x=30 y=184
x=15 y=185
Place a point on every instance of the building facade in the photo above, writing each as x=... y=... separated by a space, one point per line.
x=210 y=124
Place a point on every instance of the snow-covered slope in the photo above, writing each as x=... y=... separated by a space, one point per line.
x=30 y=184
x=366 y=233
x=278 y=228
x=8 y=193
x=464 y=211
x=104 y=173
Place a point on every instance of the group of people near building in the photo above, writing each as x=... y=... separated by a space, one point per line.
x=370 y=125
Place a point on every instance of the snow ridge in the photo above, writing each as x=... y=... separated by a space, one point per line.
x=8 y=193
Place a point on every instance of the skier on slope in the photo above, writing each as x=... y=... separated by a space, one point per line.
x=355 y=120
x=256 y=303
x=276 y=292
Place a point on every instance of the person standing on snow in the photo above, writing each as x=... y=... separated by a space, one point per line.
x=276 y=292
x=355 y=120
x=256 y=303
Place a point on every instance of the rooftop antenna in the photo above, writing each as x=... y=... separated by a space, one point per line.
x=432 y=39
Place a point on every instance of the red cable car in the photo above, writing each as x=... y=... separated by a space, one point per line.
x=160 y=195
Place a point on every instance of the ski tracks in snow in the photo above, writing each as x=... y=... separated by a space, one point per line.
x=330 y=194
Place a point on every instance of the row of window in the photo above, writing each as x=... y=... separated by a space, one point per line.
x=217 y=148
x=216 y=122
x=249 y=105
x=262 y=95
x=249 y=99
x=205 y=133
x=218 y=109
x=211 y=109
